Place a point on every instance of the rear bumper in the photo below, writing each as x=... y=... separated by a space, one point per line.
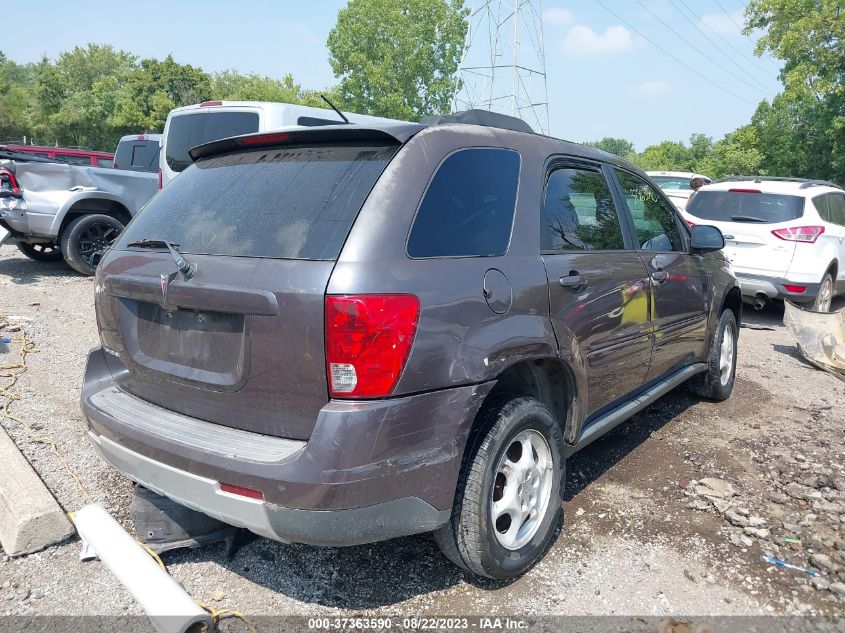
x=400 y=517
x=370 y=471
x=775 y=287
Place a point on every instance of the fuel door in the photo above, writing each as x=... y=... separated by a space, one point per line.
x=497 y=291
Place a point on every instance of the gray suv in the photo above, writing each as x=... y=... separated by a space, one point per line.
x=346 y=334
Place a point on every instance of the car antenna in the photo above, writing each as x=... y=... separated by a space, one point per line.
x=333 y=107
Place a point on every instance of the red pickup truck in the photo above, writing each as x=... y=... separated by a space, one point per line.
x=68 y=155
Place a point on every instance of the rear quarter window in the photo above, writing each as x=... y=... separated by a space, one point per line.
x=467 y=210
x=745 y=206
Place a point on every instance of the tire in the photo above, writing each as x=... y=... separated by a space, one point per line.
x=717 y=382
x=474 y=538
x=822 y=301
x=86 y=239
x=41 y=252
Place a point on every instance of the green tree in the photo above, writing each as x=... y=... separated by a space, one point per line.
x=76 y=96
x=700 y=147
x=668 y=155
x=154 y=88
x=737 y=154
x=619 y=146
x=807 y=35
x=15 y=98
x=397 y=58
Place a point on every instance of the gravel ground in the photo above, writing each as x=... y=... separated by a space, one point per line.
x=668 y=514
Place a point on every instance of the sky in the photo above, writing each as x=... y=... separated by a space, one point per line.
x=656 y=70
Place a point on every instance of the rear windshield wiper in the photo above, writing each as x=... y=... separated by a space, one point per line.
x=746 y=218
x=184 y=267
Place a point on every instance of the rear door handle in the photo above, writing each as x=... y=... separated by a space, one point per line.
x=660 y=276
x=573 y=280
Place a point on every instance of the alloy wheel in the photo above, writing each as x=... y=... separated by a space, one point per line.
x=522 y=489
x=726 y=355
x=95 y=240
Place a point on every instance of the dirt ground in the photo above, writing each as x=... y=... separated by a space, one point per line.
x=668 y=514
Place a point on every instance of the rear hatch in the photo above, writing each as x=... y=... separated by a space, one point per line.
x=747 y=218
x=240 y=342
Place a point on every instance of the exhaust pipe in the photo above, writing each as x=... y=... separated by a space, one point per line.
x=168 y=606
x=760 y=301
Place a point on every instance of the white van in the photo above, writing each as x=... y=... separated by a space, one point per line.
x=194 y=125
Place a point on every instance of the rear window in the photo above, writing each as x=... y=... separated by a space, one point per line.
x=282 y=202
x=468 y=208
x=738 y=206
x=189 y=130
x=672 y=183
x=137 y=155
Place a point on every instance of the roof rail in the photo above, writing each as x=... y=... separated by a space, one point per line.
x=480 y=117
x=805 y=182
x=758 y=179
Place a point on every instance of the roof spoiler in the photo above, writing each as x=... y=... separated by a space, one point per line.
x=486 y=118
x=398 y=134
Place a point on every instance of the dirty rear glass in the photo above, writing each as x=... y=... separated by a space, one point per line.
x=189 y=130
x=738 y=206
x=281 y=202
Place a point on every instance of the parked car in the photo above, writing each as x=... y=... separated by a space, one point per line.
x=69 y=155
x=55 y=211
x=785 y=236
x=676 y=184
x=138 y=152
x=346 y=334
x=194 y=125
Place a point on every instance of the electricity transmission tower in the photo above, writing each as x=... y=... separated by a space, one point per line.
x=503 y=68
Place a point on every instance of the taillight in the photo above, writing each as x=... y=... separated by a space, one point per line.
x=807 y=234
x=232 y=489
x=691 y=224
x=795 y=289
x=745 y=190
x=211 y=104
x=368 y=338
x=159 y=180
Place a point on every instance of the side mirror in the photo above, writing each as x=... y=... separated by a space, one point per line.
x=706 y=239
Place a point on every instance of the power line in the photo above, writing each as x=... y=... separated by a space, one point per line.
x=716 y=46
x=671 y=56
x=719 y=4
x=694 y=47
x=754 y=60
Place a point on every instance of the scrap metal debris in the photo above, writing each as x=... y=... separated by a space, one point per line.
x=820 y=337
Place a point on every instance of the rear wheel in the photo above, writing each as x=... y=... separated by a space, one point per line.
x=717 y=382
x=48 y=252
x=507 y=509
x=86 y=239
x=825 y=296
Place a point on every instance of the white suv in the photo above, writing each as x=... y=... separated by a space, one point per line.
x=784 y=237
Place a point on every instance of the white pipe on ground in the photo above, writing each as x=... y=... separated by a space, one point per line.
x=169 y=607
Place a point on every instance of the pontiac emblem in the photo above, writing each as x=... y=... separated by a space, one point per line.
x=165 y=285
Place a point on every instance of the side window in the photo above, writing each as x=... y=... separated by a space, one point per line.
x=104 y=162
x=578 y=213
x=821 y=204
x=654 y=219
x=837 y=208
x=468 y=208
